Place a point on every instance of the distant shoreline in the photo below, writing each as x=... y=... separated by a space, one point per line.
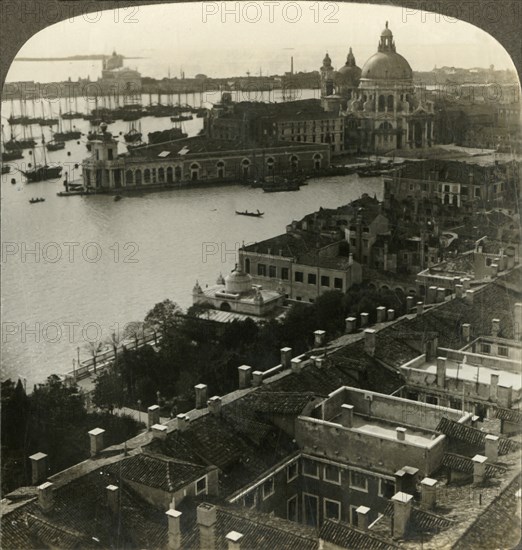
x=71 y=58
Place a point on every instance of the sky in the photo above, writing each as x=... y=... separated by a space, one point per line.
x=229 y=38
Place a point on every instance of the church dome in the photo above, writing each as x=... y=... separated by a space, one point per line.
x=238 y=282
x=350 y=71
x=387 y=64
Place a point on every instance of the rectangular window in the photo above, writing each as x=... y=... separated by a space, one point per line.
x=432 y=400
x=332 y=474
x=268 y=488
x=284 y=273
x=310 y=468
x=386 y=488
x=110 y=154
x=292 y=509
x=261 y=270
x=325 y=281
x=291 y=471
x=332 y=509
x=312 y=278
x=486 y=348
x=298 y=276
x=201 y=486
x=503 y=351
x=272 y=271
x=338 y=283
x=358 y=481
x=477 y=191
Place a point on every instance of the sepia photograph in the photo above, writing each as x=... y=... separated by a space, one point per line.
x=260 y=275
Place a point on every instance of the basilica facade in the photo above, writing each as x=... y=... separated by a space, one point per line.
x=382 y=109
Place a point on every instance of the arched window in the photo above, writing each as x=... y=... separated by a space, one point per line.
x=146 y=176
x=170 y=179
x=194 y=171
x=270 y=165
x=161 y=175
x=129 y=177
x=294 y=162
x=390 y=103
x=382 y=103
x=220 y=169
x=177 y=173
x=317 y=161
x=137 y=176
x=245 y=168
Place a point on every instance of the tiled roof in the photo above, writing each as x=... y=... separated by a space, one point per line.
x=274 y=402
x=53 y=536
x=472 y=436
x=510 y=415
x=158 y=472
x=292 y=245
x=260 y=532
x=465 y=464
x=346 y=536
x=422 y=521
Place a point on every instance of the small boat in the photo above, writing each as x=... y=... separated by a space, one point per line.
x=253 y=214
x=42 y=173
x=48 y=121
x=71 y=115
x=34 y=201
x=67 y=136
x=12 y=155
x=55 y=145
x=117 y=198
x=132 y=136
x=180 y=118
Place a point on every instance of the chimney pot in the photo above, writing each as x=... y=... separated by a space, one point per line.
x=420 y=308
x=402 y=503
x=347 y=415
x=257 y=378
x=183 y=422
x=214 y=405
x=350 y=324
x=429 y=493
x=286 y=357
x=159 y=431
x=410 y=302
x=46 y=497
x=245 y=376
x=112 y=498
x=381 y=314
x=96 y=437
x=391 y=314
x=38 y=467
x=296 y=365
x=441 y=372
x=469 y=296
x=234 y=540
x=206 y=518
x=459 y=291
x=319 y=338
x=365 y=318
x=431 y=296
x=401 y=433
x=369 y=341
x=201 y=395
x=479 y=469
x=153 y=415
x=441 y=294
x=363 y=513
x=495 y=327
x=174 y=518
x=492 y=447
x=466 y=332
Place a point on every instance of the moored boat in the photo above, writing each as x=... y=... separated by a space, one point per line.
x=256 y=214
x=34 y=201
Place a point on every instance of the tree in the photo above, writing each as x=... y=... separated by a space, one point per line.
x=94 y=347
x=163 y=317
x=134 y=330
x=108 y=391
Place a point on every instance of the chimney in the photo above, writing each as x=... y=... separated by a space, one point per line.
x=286 y=357
x=401 y=513
x=428 y=493
x=365 y=318
x=479 y=469
x=410 y=302
x=495 y=327
x=441 y=294
x=494 y=270
x=214 y=405
x=201 y=396
x=234 y=540
x=296 y=365
x=350 y=324
x=369 y=341
x=492 y=448
x=46 y=497
x=518 y=320
x=319 y=338
x=391 y=315
x=257 y=378
x=420 y=308
x=401 y=433
x=38 y=467
x=153 y=416
x=206 y=518
x=459 y=291
x=431 y=296
x=347 y=415
x=183 y=422
x=441 y=372
x=493 y=387
x=381 y=314
x=112 y=498
x=469 y=296
x=159 y=431
x=245 y=376
x=96 y=437
x=363 y=513
x=174 y=529
x=466 y=332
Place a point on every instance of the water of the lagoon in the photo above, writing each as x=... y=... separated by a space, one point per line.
x=46 y=305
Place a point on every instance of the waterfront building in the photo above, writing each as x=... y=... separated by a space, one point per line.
x=195 y=161
x=119 y=79
x=236 y=297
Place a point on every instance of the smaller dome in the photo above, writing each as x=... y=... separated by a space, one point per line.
x=238 y=281
x=327 y=62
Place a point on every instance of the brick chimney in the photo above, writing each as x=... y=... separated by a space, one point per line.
x=495 y=327
x=402 y=504
x=428 y=493
x=46 y=497
x=381 y=314
x=493 y=387
x=441 y=372
x=347 y=415
x=174 y=517
x=369 y=341
x=365 y=319
x=113 y=493
x=319 y=338
x=245 y=376
x=38 y=467
x=214 y=405
x=206 y=518
x=297 y=365
x=159 y=431
x=153 y=416
x=401 y=433
x=420 y=308
x=286 y=357
x=96 y=437
x=492 y=448
x=234 y=540
x=350 y=324
x=257 y=378
x=363 y=513
x=391 y=315
x=466 y=332
x=201 y=395
x=479 y=469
